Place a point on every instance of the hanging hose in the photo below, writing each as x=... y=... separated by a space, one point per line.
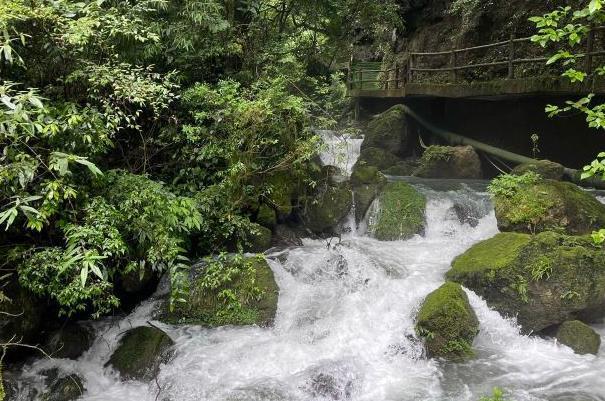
x=455 y=139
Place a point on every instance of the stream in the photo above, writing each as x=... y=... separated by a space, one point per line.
x=344 y=329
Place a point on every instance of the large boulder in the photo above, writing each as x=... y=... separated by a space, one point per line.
x=547 y=205
x=329 y=208
x=23 y=314
x=229 y=290
x=579 y=336
x=258 y=239
x=367 y=183
x=69 y=342
x=447 y=323
x=400 y=214
x=449 y=162
x=140 y=353
x=266 y=216
x=286 y=236
x=68 y=388
x=545 y=168
x=379 y=158
x=388 y=131
x=543 y=280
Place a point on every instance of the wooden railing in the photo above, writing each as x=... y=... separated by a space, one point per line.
x=376 y=77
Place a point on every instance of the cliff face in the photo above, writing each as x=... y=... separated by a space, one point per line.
x=434 y=25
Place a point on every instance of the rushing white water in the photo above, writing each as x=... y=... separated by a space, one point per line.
x=341 y=151
x=344 y=331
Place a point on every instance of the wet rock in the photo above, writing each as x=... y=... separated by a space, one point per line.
x=546 y=168
x=23 y=315
x=548 y=205
x=403 y=168
x=259 y=239
x=67 y=388
x=367 y=183
x=401 y=213
x=447 y=323
x=140 y=353
x=543 y=280
x=379 y=158
x=330 y=207
x=327 y=386
x=69 y=342
x=251 y=282
x=138 y=281
x=466 y=214
x=14 y=392
x=387 y=131
x=579 y=337
x=285 y=236
x=266 y=217
x=449 y=162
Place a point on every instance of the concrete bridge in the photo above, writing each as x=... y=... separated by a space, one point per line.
x=419 y=77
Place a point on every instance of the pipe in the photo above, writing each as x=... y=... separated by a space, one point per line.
x=455 y=139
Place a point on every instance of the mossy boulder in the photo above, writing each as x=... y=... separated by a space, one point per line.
x=546 y=169
x=447 y=323
x=259 y=239
x=401 y=213
x=579 y=336
x=367 y=183
x=266 y=216
x=286 y=236
x=543 y=280
x=379 y=158
x=23 y=315
x=388 y=131
x=140 y=353
x=229 y=290
x=403 y=168
x=329 y=208
x=284 y=189
x=69 y=342
x=68 y=388
x=548 y=205
x=449 y=162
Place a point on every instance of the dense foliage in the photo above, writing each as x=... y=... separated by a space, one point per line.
x=138 y=134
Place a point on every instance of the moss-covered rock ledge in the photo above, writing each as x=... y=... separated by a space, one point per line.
x=229 y=290
x=535 y=205
x=579 y=337
x=401 y=213
x=447 y=323
x=544 y=279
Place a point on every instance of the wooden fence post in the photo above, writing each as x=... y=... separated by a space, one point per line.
x=396 y=76
x=360 y=79
x=589 y=50
x=410 y=68
x=511 y=56
x=453 y=65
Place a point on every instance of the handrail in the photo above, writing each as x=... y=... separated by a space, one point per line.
x=398 y=76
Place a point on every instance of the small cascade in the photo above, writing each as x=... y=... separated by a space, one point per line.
x=344 y=330
x=341 y=150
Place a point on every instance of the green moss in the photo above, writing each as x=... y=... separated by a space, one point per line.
x=545 y=168
x=329 y=208
x=544 y=279
x=367 y=183
x=549 y=206
x=140 y=353
x=379 y=158
x=388 y=131
x=447 y=323
x=266 y=216
x=259 y=239
x=579 y=337
x=283 y=191
x=401 y=213
x=449 y=162
x=231 y=290
x=405 y=168
x=2 y=393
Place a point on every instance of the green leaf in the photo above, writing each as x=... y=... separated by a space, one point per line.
x=84 y=275
x=594 y=6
